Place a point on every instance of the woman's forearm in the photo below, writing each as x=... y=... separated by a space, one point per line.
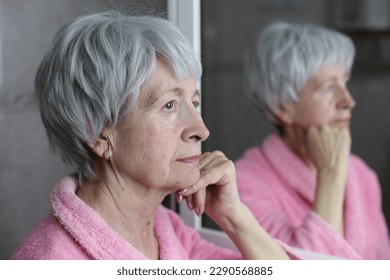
x=250 y=238
x=329 y=199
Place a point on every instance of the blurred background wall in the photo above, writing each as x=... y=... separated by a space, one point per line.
x=28 y=169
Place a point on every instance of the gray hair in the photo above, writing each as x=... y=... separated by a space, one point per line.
x=284 y=59
x=92 y=75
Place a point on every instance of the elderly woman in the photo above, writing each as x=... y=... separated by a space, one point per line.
x=302 y=183
x=119 y=102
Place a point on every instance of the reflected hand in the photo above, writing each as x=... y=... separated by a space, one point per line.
x=329 y=147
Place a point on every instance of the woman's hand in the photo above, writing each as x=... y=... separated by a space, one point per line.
x=216 y=190
x=216 y=193
x=329 y=149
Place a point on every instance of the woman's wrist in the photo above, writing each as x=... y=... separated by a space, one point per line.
x=332 y=174
x=250 y=238
x=232 y=219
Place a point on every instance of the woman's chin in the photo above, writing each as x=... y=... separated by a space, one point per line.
x=186 y=180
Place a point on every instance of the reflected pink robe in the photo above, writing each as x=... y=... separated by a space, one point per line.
x=279 y=189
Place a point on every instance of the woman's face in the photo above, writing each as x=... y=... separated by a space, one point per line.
x=158 y=145
x=324 y=100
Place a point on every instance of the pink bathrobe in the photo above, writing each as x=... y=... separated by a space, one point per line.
x=280 y=189
x=75 y=231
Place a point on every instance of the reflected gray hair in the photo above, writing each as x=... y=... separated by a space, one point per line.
x=92 y=74
x=284 y=59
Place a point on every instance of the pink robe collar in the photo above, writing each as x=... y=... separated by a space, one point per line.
x=98 y=239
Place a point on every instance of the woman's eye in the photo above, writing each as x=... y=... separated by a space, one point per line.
x=169 y=105
x=330 y=87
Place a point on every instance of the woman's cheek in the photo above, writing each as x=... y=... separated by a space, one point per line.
x=315 y=119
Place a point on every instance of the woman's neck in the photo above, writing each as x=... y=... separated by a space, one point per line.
x=127 y=208
x=295 y=141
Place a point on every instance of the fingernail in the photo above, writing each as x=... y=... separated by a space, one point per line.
x=197 y=211
x=181 y=192
x=179 y=198
x=189 y=206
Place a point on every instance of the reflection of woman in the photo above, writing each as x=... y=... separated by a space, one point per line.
x=302 y=184
x=118 y=99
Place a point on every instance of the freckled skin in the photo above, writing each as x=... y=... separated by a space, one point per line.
x=164 y=126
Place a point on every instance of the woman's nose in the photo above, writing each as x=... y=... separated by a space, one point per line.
x=196 y=130
x=347 y=100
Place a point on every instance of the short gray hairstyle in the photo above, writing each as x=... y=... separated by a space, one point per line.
x=284 y=59
x=92 y=75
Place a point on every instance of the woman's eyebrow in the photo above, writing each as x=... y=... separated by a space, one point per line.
x=180 y=91
x=177 y=91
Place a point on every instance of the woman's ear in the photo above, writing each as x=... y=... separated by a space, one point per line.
x=286 y=113
x=102 y=145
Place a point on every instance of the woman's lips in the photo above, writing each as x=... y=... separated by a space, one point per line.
x=191 y=159
x=343 y=122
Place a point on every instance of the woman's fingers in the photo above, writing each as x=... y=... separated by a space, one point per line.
x=195 y=201
x=189 y=200
x=219 y=174
x=199 y=199
x=328 y=145
x=207 y=160
x=216 y=189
